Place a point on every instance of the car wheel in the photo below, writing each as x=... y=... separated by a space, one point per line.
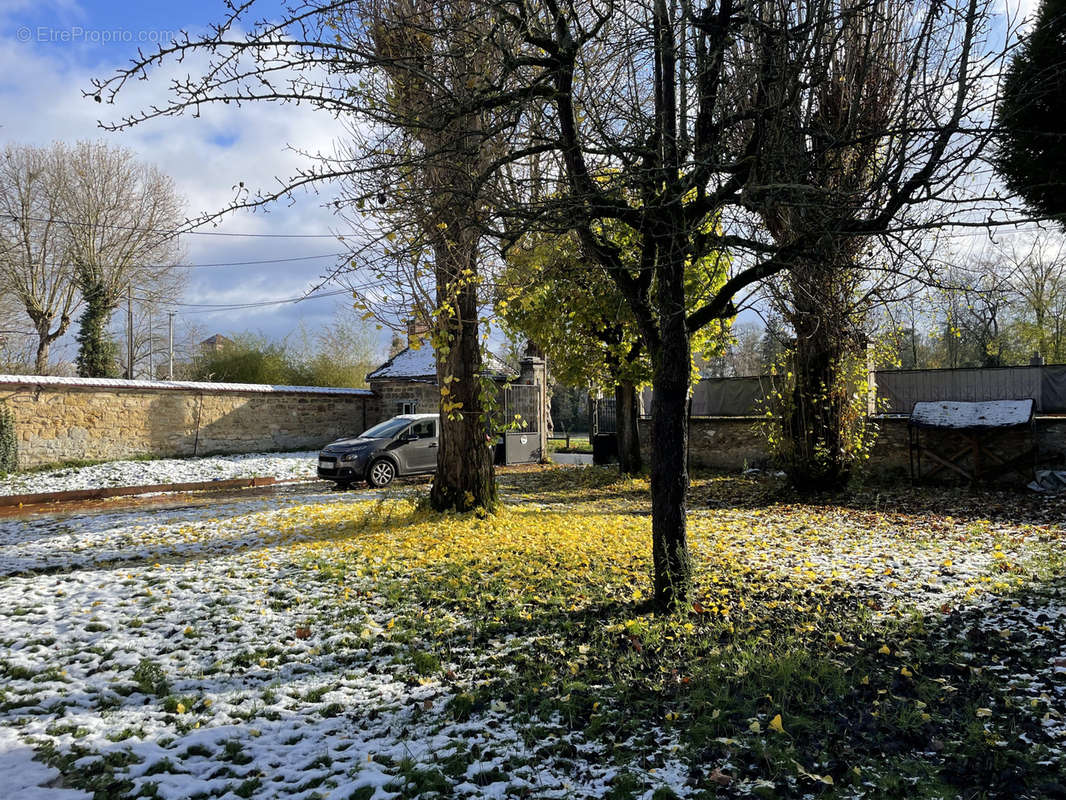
x=381 y=473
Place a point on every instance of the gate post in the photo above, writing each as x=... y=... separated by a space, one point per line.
x=533 y=370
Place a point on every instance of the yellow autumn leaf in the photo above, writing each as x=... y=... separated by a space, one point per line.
x=755 y=727
x=776 y=724
x=885 y=651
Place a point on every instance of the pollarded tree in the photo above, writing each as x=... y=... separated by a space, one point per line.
x=119 y=218
x=433 y=57
x=814 y=178
x=1031 y=118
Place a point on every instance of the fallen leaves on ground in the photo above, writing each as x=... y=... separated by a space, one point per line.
x=349 y=647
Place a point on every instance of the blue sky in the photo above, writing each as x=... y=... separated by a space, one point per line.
x=49 y=52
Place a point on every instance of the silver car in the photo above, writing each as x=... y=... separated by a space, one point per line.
x=403 y=445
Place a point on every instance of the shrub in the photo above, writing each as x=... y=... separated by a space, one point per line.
x=9 y=457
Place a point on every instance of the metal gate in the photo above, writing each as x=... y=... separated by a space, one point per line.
x=520 y=412
x=604 y=429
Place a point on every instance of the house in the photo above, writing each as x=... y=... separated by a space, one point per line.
x=407 y=382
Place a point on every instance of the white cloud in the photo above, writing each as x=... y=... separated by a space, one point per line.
x=207 y=157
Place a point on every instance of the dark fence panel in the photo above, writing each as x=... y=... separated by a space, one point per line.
x=606 y=415
x=1053 y=390
x=897 y=390
x=730 y=397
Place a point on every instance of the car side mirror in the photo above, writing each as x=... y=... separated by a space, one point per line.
x=409 y=437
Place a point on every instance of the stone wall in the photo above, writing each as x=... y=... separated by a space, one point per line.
x=392 y=394
x=734 y=443
x=59 y=420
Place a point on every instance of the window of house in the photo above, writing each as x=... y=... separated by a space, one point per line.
x=408 y=407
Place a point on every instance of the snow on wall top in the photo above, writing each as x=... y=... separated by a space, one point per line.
x=964 y=414
x=422 y=363
x=115 y=383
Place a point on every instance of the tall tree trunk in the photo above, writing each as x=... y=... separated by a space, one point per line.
x=96 y=349
x=465 y=478
x=671 y=365
x=45 y=336
x=669 y=476
x=817 y=459
x=626 y=425
x=44 y=344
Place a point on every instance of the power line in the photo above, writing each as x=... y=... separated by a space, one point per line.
x=220 y=263
x=206 y=308
x=177 y=231
x=241 y=263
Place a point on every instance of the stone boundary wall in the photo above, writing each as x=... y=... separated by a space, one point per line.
x=734 y=443
x=69 y=419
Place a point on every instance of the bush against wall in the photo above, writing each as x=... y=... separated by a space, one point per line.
x=826 y=462
x=8 y=443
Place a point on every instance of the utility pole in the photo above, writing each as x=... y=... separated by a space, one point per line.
x=129 y=331
x=170 y=365
x=151 y=347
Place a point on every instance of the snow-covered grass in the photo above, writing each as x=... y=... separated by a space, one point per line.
x=282 y=466
x=334 y=646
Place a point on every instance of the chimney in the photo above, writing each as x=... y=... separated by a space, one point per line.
x=416 y=331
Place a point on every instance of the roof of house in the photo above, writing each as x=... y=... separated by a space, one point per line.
x=421 y=364
x=217 y=339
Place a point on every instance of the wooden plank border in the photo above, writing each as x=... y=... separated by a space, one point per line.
x=72 y=495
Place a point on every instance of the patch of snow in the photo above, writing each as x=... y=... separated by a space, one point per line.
x=957 y=414
x=23 y=778
x=115 y=383
x=282 y=466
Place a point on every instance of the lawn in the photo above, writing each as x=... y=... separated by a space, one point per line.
x=905 y=644
x=578 y=443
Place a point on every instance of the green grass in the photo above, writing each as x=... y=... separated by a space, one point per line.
x=579 y=443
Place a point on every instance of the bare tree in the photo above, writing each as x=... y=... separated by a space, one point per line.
x=433 y=55
x=120 y=217
x=813 y=179
x=34 y=267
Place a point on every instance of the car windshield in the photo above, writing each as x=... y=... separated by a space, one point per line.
x=387 y=429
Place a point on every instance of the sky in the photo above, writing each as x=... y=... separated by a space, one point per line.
x=49 y=52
